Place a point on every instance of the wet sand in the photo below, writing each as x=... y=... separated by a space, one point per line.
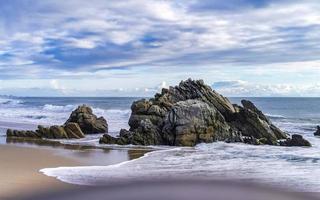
x=19 y=171
x=20 y=165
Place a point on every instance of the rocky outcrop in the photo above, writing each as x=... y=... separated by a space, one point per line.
x=81 y=121
x=191 y=113
x=296 y=140
x=317 y=133
x=88 y=122
x=68 y=131
x=193 y=121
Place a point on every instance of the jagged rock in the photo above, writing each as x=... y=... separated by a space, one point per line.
x=107 y=139
x=125 y=137
x=250 y=106
x=296 y=140
x=21 y=133
x=88 y=122
x=193 y=121
x=191 y=113
x=44 y=132
x=69 y=131
x=82 y=119
x=58 y=132
x=250 y=124
x=250 y=140
x=317 y=133
x=73 y=130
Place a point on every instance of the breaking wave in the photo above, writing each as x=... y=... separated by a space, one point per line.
x=8 y=102
x=275 y=116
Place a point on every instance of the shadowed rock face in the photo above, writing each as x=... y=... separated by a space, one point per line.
x=191 y=113
x=81 y=121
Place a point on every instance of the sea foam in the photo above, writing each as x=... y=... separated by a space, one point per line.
x=295 y=168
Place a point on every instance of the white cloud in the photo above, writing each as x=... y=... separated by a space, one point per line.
x=162 y=40
x=244 y=89
x=87 y=43
x=55 y=84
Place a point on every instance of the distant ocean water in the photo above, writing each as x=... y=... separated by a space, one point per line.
x=49 y=111
x=293 y=167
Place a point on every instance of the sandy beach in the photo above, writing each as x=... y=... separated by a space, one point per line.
x=19 y=171
x=20 y=165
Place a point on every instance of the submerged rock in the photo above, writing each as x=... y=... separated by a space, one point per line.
x=88 y=122
x=317 y=133
x=192 y=113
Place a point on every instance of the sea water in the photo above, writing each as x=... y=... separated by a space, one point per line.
x=296 y=168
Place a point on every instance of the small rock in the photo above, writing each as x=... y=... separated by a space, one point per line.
x=317 y=133
x=296 y=140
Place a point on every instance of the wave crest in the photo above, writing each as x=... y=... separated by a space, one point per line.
x=10 y=102
x=56 y=108
x=275 y=116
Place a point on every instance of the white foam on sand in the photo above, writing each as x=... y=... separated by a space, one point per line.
x=296 y=168
x=83 y=175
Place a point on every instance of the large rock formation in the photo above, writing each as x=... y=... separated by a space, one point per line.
x=191 y=113
x=81 y=121
x=88 y=122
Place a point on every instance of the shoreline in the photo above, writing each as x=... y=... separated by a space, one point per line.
x=21 y=165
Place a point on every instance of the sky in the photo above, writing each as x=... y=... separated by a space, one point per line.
x=136 y=47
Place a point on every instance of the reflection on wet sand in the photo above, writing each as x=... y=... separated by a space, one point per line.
x=91 y=153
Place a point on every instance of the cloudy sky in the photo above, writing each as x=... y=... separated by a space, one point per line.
x=135 y=47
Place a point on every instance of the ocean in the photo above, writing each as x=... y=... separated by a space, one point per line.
x=296 y=168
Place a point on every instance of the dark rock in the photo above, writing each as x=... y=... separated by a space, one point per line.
x=125 y=137
x=21 y=133
x=73 y=130
x=84 y=119
x=88 y=122
x=107 y=139
x=317 y=133
x=250 y=106
x=44 y=132
x=58 y=132
x=193 y=121
x=69 y=131
x=250 y=124
x=296 y=140
x=10 y=133
x=250 y=140
x=191 y=113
